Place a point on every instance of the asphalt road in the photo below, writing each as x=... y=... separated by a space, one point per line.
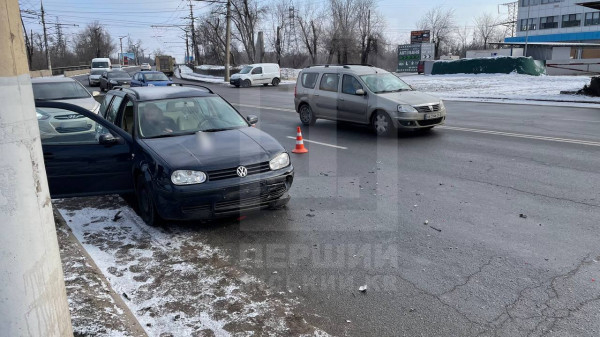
x=510 y=195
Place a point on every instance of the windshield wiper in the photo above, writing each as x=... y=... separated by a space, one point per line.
x=217 y=129
x=172 y=135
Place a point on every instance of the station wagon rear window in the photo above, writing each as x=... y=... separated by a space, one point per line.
x=309 y=80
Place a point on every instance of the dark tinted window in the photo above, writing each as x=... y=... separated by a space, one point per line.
x=104 y=105
x=257 y=70
x=309 y=80
x=329 y=82
x=118 y=74
x=100 y=65
x=350 y=84
x=111 y=113
x=59 y=90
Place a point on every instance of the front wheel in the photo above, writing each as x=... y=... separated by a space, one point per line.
x=382 y=124
x=246 y=84
x=146 y=207
x=307 y=117
x=275 y=82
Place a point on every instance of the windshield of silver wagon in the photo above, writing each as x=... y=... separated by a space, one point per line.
x=380 y=83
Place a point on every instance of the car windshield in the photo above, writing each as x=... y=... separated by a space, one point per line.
x=156 y=77
x=59 y=91
x=182 y=116
x=97 y=72
x=387 y=82
x=118 y=74
x=246 y=70
x=103 y=64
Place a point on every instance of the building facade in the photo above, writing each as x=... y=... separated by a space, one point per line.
x=557 y=21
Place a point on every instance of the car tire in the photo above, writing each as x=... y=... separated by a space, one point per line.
x=265 y=84
x=145 y=201
x=246 y=84
x=237 y=85
x=275 y=82
x=307 y=117
x=383 y=124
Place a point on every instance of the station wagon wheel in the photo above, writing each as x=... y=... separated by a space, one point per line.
x=382 y=124
x=275 y=82
x=306 y=115
x=246 y=83
x=146 y=207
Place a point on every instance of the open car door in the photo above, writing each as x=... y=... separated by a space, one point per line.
x=84 y=154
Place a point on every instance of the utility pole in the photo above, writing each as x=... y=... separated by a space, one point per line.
x=121 y=43
x=45 y=37
x=278 y=46
x=33 y=299
x=187 y=48
x=194 y=46
x=228 y=41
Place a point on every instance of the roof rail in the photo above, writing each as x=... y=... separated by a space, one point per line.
x=193 y=85
x=345 y=65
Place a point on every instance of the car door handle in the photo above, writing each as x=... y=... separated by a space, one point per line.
x=317 y=95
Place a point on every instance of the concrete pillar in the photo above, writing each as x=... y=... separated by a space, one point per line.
x=33 y=300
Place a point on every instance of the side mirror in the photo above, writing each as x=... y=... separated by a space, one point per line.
x=360 y=92
x=252 y=119
x=108 y=139
x=95 y=93
x=170 y=78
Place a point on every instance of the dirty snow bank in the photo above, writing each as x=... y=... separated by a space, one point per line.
x=512 y=87
x=288 y=75
x=175 y=284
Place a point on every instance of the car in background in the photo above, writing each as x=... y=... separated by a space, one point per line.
x=421 y=67
x=100 y=63
x=150 y=79
x=261 y=73
x=145 y=66
x=56 y=123
x=110 y=79
x=117 y=67
x=364 y=95
x=185 y=152
x=94 y=77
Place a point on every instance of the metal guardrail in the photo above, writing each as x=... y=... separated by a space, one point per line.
x=61 y=70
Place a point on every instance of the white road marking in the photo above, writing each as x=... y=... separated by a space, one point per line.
x=263 y=107
x=319 y=143
x=577 y=120
x=519 y=135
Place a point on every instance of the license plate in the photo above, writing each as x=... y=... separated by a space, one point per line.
x=125 y=85
x=432 y=116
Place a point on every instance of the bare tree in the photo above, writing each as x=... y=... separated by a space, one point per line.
x=463 y=34
x=311 y=29
x=369 y=26
x=93 y=41
x=486 y=27
x=246 y=15
x=440 y=23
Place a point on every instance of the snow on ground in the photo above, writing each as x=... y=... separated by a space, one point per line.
x=492 y=87
x=188 y=74
x=175 y=284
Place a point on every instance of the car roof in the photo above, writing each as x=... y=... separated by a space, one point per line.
x=52 y=79
x=168 y=92
x=151 y=72
x=355 y=69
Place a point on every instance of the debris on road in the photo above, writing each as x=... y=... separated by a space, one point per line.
x=117 y=216
x=310 y=215
x=436 y=229
x=363 y=288
x=522 y=216
x=426 y=222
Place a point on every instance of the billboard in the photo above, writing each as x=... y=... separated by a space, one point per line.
x=127 y=58
x=409 y=56
x=420 y=36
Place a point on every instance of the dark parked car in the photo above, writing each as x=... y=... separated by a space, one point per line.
x=185 y=152
x=114 y=78
x=150 y=79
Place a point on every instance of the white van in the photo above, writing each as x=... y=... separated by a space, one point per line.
x=101 y=63
x=260 y=73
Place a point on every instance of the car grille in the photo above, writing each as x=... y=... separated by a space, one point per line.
x=265 y=197
x=232 y=172
x=428 y=108
x=73 y=129
x=71 y=116
x=429 y=122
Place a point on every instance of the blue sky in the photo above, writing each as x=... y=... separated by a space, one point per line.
x=134 y=17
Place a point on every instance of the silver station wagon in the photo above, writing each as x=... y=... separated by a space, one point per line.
x=365 y=95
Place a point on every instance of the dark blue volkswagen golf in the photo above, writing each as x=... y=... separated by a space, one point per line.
x=185 y=152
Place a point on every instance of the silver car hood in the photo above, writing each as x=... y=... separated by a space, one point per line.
x=87 y=103
x=410 y=97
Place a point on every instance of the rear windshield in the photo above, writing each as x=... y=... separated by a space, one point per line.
x=309 y=80
x=118 y=74
x=156 y=77
x=59 y=91
x=100 y=64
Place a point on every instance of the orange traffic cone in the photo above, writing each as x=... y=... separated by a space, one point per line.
x=299 y=143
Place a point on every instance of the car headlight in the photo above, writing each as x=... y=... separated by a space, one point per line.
x=442 y=106
x=280 y=161
x=406 y=108
x=113 y=82
x=150 y=84
x=187 y=177
x=42 y=116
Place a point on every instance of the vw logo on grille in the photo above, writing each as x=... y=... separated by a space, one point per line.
x=431 y=108
x=242 y=171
